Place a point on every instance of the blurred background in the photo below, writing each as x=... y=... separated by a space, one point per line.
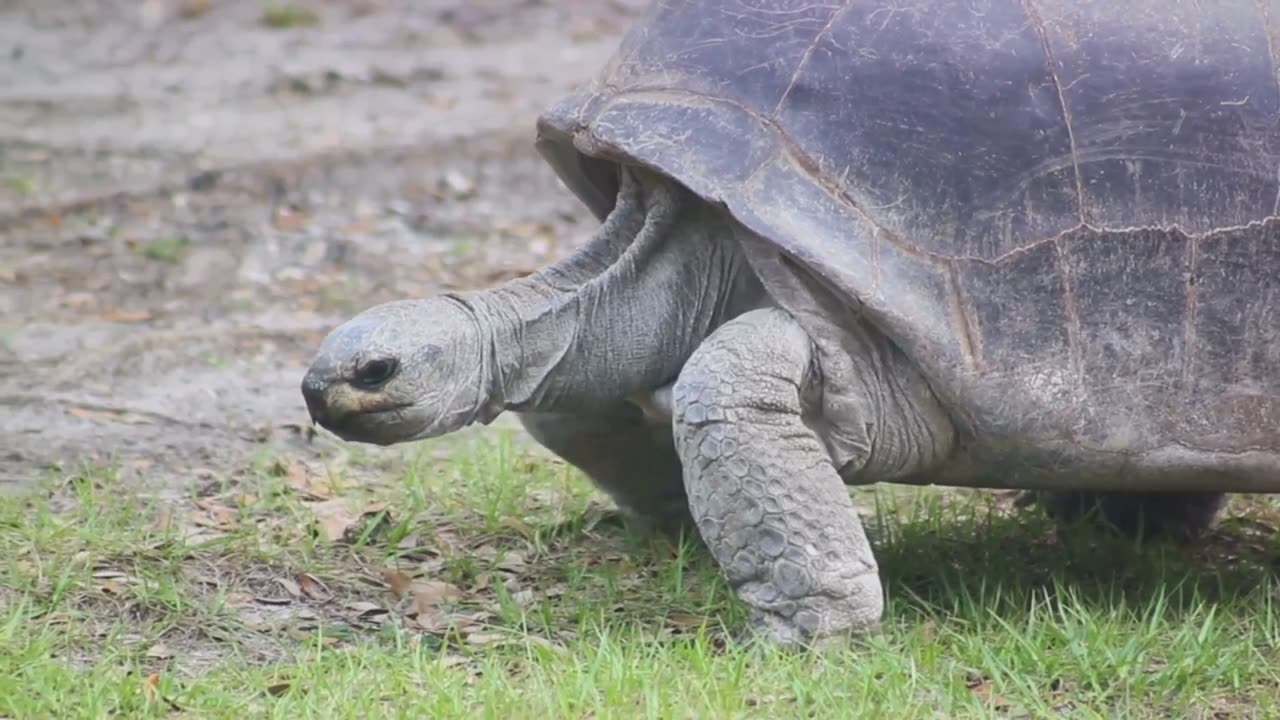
x=192 y=192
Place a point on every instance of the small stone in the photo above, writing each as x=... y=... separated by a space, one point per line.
x=459 y=184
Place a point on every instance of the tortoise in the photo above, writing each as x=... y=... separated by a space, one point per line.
x=994 y=244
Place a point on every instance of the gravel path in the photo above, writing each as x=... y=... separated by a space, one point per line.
x=190 y=198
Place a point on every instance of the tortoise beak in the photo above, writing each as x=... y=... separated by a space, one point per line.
x=315 y=387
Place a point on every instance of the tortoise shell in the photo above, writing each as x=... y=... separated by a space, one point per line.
x=1064 y=211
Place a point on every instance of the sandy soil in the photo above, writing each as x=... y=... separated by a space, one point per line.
x=190 y=198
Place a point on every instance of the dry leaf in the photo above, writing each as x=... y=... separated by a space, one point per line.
x=213 y=515
x=519 y=525
x=79 y=300
x=527 y=229
x=151 y=687
x=397 y=581
x=427 y=594
x=433 y=621
x=313 y=588
x=337 y=520
x=452 y=661
x=108 y=416
x=334 y=517
x=290 y=220
x=278 y=689
x=379 y=509
x=202 y=519
x=197 y=537
x=295 y=474
x=297 y=477
x=194 y=8
x=160 y=651
x=546 y=644
x=163 y=520
x=290 y=586
x=127 y=316
x=113 y=587
x=258 y=433
x=255 y=622
x=758 y=700
x=365 y=610
x=307 y=636
x=151 y=691
x=200 y=576
x=409 y=542
x=982 y=687
x=305 y=614
x=485 y=638
x=512 y=561
x=361 y=226
x=437 y=622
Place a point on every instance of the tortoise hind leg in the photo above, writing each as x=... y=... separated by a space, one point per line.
x=1181 y=516
x=629 y=456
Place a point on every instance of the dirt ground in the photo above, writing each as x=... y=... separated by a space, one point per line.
x=192 y=192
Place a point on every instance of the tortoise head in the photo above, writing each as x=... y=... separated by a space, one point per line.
x=400 y=371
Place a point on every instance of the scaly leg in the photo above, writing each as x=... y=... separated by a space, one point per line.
x=764 y=493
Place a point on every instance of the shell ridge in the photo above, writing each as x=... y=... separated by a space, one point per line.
x=808 y=52
x=1051 y=65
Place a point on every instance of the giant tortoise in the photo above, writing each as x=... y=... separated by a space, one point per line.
x=1029 y=244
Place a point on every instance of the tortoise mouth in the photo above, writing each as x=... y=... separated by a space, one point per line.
x=383 y=426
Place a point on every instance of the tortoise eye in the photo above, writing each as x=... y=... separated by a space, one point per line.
x=375 y=373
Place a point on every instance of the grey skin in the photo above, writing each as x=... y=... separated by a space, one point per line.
x=603 y=369
x=579 y=350
x=1028 y=245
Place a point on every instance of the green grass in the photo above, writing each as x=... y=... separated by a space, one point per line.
x=169 y=249
x=289 y=16
x=21 y=184
x=232 y=601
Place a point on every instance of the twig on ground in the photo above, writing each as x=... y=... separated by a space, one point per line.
x=92 y=406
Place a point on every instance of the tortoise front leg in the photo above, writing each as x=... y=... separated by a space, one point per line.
x=766 y=497
x=630 y=457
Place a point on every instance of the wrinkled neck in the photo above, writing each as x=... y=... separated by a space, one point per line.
x=618 y=317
